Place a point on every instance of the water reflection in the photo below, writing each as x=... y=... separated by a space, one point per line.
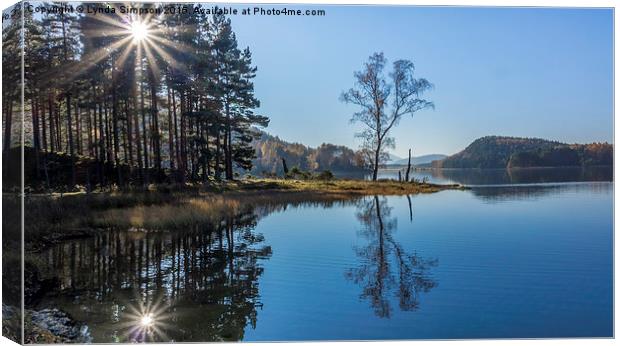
x=496 y=176
x=145 y=321
x=375 y=274
x=12 y=282
x=195 y=285
x=496 y=194
x=200 y=282
x=525 y=175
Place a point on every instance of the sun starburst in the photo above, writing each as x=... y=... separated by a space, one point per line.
x=139 y=31
x=137 y=34
x=145 y=320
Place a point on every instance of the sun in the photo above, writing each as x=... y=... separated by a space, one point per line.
x=146 y=320
x=139 y=31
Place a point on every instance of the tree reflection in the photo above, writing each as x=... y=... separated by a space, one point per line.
x=204 y=282
x=411 y=275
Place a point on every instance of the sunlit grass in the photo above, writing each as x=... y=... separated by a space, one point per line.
x=343 y=186
x=180 y=215
x=178 y=207
x=242 y=196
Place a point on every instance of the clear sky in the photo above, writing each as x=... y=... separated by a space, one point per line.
x=534 y=72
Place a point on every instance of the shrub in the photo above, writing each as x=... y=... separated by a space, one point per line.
x=297 y=173
x=325 y=175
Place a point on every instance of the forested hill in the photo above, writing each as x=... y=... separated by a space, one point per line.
x=270 y=150
x=513 y=152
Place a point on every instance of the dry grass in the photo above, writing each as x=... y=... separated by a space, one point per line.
x=174 y=216
x=55 y=218
x=208 y=209
x=337 y=186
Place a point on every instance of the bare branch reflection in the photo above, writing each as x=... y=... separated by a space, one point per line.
x=375 y=275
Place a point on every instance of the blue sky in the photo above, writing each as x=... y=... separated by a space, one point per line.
x=534 y=72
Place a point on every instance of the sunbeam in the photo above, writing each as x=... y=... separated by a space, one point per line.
x=129 y=34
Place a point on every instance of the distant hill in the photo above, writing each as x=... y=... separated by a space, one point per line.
x=392 y=159
x=271 y=149
x=420 y=160
x=513 y=152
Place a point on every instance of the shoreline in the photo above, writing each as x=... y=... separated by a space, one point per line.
x=100 y=211
x=351 y=187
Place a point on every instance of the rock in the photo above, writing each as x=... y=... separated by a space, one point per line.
x=11 y=322
x=60 y=324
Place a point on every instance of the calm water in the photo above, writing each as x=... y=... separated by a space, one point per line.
x=473 y=177
x=517 y=261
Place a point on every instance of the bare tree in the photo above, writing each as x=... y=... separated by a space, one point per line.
x=384 y=102
x=385 y=267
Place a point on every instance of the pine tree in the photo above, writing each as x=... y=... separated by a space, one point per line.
x=116 y=100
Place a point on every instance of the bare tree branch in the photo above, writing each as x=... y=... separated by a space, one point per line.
x=373 y=94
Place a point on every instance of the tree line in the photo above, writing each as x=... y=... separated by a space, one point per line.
x=177 y=105
x=270 y=150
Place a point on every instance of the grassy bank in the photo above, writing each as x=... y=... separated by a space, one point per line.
x=56 y=217
x=270 y=185
x=336 y=186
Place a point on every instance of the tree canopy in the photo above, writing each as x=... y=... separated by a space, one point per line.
x=132 y=99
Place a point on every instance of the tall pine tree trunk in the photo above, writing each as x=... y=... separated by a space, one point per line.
x=43 y=125
x=137 y=134
x=155 y=120
x=145 y=148
x=50 y=110
x=129 y=136
x=208 y=151
x=102 y=148
x=78 y=127
x=89 y=134
x=218 y=146
x=116 y=139
x=176 y=134
x=35 y=134
x=70 y=137
x=170 y=133
x=203 y=159
x=58 y=127
x=35 y=125
x=183 y=137
x=107 y=136
x=228 y=144
x=68 y=101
